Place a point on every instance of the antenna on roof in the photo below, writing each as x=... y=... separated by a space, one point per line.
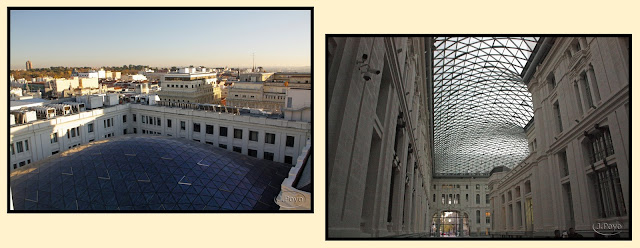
x=254 y=61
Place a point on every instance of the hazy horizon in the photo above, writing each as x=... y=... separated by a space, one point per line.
x=160 y=38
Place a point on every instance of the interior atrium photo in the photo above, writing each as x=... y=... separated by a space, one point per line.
x=478 y=137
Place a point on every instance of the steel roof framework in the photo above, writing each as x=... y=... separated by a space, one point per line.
x=481 y=104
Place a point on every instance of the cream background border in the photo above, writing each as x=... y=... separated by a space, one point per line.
x=308 y=230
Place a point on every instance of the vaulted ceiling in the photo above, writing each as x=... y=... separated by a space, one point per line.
x=481 y=104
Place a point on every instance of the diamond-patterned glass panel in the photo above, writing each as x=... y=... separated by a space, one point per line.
x=148 y=173
x=481 y=104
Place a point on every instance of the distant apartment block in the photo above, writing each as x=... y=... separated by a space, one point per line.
x=188 y=87
x=269 y=95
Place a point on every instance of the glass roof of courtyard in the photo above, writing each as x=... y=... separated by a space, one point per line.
x=154 y=173
x=481 y=104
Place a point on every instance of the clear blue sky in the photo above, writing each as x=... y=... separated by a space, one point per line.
x=160 y=37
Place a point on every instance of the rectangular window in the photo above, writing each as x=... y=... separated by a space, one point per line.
x=223 y=131
x=124 y=118
x=54 y=138
x=268 y=156
x=124 y=131
x=288 y=159
x=289 y=102
x=290 y=141
x=159 y=122
x=208 y=143
x=486 y=198
x=253 y=135
x=578 y=97
x=237 y=133
x=601 y=145
x=609 y=192
x=209 y=129
x=78 y=130
x=182 y=125
x=90 y=127
x=569 y=199
x=477 y=198
x=22 y=163
x=134 y=117
x=196 y=127
x=562 y=161
x=135 y=130
x=26 y=145
x=143 y=119
x=19 y=146
x=253 y=153
x=556 y=111
x=108 y=122
x=168 y=122
x=13 y=152
x=587 y=89
x=223 y=146
x=104 y=123
x=269 y=138
x=73 y=132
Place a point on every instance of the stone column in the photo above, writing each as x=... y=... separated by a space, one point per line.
x=408 y=194
x=507 y=217
x=398 y=195
x=514 y=213
x=523 y=208
x=583 y=42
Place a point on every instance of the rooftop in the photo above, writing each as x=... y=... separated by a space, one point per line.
x=27 y=103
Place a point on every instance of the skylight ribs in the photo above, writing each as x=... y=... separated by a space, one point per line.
x=481 y=104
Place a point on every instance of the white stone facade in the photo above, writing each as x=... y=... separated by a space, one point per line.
x=581 y=96
x=468 y=196
x=46 y=137
x=379 y=149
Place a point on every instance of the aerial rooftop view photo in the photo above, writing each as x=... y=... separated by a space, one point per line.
x=478 y=137
x=156 y=110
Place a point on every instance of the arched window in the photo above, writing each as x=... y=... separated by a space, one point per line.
x=478 y=216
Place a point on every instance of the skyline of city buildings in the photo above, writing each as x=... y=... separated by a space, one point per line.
x=217 y=45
